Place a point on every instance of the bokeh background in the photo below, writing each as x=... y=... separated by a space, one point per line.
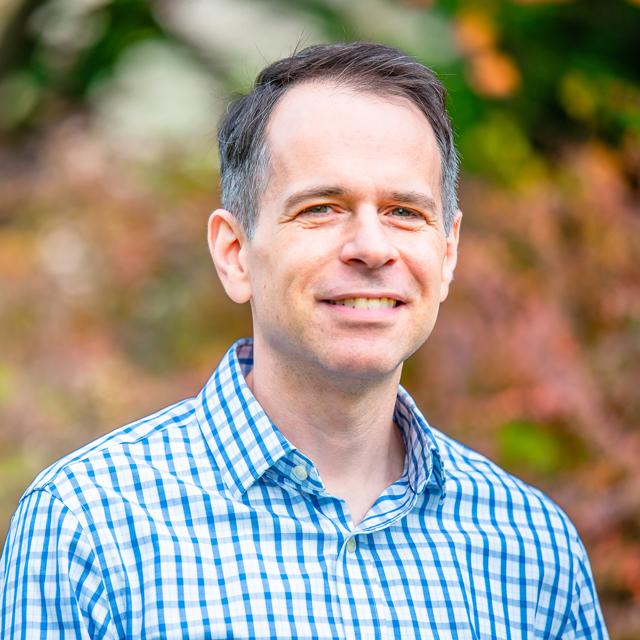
x=109 y=305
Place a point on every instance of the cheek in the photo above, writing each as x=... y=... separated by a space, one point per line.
x=425 y=265
x=276 y=286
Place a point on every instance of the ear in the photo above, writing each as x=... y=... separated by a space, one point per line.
x=451 y=256
x=227 y=243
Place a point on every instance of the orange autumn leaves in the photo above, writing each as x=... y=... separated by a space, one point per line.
x=490 y=72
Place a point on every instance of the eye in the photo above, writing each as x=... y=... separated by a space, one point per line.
x=403 y=212
x=317 y=209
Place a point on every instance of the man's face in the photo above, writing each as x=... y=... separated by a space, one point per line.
x=349 y=262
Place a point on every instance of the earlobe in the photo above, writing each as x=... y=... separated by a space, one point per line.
x=451 y=256
x=227 y=243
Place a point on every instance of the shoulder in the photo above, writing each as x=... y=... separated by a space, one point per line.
x=121 y=460
x=485 y=492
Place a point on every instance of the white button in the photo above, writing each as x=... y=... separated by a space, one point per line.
x=351 y=545
x=300 y=472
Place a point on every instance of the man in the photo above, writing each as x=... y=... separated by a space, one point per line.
x=302 y=494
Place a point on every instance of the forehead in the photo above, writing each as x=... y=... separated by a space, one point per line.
x=314 y=110
x=338 y=133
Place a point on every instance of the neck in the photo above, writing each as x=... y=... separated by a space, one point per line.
x=347 y=430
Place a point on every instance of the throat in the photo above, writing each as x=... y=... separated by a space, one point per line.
x=348 y=434
x=363 y=484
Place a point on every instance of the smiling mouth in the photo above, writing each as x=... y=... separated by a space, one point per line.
x=366 y=303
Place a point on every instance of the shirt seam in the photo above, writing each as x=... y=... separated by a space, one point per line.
x=51 y=491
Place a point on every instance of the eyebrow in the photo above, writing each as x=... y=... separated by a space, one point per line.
x=410 y=197
x=416 y=198
x=314 y=192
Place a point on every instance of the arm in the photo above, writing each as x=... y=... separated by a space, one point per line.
x=50 y=582
x=586 y=621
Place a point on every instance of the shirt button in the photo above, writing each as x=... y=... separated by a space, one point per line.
x=351 y=545
x=300 y=472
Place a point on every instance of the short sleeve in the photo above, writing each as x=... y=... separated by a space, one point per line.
x=586 y=620
x=50 y=582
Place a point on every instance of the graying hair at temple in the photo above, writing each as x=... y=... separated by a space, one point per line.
x=363 y=66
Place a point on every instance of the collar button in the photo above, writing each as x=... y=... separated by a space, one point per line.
x=300 y=472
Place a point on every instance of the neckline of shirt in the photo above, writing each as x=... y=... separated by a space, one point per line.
x=245 y=443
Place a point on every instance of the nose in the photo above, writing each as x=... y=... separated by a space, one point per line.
x=367 y=242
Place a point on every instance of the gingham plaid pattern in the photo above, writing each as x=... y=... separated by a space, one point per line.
x=203 y=521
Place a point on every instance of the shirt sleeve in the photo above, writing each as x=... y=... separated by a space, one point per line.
x=586 y=622
x=50 y=582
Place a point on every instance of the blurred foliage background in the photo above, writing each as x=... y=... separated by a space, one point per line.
x=110 y=308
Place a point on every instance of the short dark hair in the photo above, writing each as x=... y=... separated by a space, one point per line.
x=363 y=66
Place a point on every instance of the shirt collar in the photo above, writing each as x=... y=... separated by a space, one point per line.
x=243 y=440
x=245 y=443
x=423 y=462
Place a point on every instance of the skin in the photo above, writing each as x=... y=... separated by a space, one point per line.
x=352 y=208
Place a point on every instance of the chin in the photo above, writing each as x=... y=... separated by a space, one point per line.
x=367 y=364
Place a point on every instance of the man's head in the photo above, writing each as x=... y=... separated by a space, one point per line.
x=361 y=66
x=350 y=255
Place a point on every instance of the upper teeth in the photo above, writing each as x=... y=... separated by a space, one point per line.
x=366 y=303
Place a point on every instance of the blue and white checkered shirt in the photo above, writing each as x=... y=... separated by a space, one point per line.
x=203 y=521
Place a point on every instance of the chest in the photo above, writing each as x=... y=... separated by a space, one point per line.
x=285 y=573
